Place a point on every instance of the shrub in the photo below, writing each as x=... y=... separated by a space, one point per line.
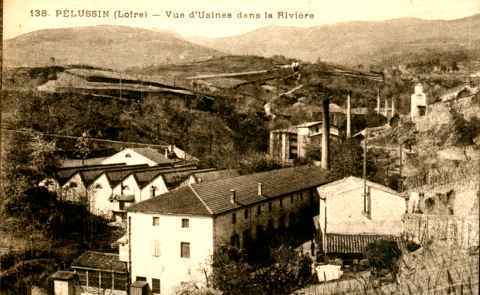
x=382 y=256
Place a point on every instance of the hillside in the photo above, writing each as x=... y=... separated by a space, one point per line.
x=114 y=47
x=163 y=103
x=354 y=43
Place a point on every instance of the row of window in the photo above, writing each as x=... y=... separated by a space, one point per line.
x=184 y=249
x=155 y=284
x=102 y=279
x=185 y=222
x=248 y=234
x=293 y=197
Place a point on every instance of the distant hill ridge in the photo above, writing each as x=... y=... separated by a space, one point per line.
x=116 y=47
x=356 y=42
x=348 y=43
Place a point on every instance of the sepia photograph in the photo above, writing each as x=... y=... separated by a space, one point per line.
x=210 y=147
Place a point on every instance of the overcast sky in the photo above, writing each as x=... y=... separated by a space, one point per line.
x=18 y=20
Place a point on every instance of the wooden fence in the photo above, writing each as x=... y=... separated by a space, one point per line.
x=454 y=231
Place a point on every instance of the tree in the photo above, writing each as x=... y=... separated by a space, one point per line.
x=347 y=159
x=463 y=131
x=286 y=271
x=44 y=158
x=83 y=147
x=256 y=162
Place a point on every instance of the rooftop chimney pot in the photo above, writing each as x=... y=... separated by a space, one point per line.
x=233 y=197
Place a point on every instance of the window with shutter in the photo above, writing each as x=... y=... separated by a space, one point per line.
x=156 y=248
x=185 y=250
x=185 y=223
x=155 y=286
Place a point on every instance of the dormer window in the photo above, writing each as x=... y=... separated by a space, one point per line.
x=72 y=184
x=127 y=155
x=123 y=188
x=98 y=186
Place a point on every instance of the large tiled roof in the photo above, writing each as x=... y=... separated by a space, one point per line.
x=145 y=177
x=175 y=178
x=179 y=201
x=90 y=175
x=352 y=182
x=115 y=177
x=214 y=196
x=215 y=175
x=64 y=174
x=352 y=244
x=100 y=261
x=79 y=162
x=153 y=155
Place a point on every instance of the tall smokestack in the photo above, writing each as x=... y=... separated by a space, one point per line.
x=393 y=108
x=385 y=111
x=349 y=114
x=326 y=133
x=378 y=101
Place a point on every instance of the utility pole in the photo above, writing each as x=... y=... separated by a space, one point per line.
x=120 y=85
x=326 y=134
x=365 y=171
x=401 y=164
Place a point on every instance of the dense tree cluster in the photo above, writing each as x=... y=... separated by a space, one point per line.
x=233 y=274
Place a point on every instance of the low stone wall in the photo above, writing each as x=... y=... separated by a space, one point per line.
x=462 y=183
x=439 y=113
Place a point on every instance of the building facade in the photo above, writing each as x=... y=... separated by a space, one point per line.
x=171 y=238
x=100 y=273
x=349 y=217
x=287 y=145
x=107 y=190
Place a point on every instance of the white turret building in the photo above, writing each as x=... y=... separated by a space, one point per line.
x=418 y=102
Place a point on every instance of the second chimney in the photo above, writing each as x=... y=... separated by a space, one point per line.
x=233 y=197
x=260 y=191
x=349 y=116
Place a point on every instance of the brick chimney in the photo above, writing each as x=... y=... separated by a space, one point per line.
x=233 y=197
